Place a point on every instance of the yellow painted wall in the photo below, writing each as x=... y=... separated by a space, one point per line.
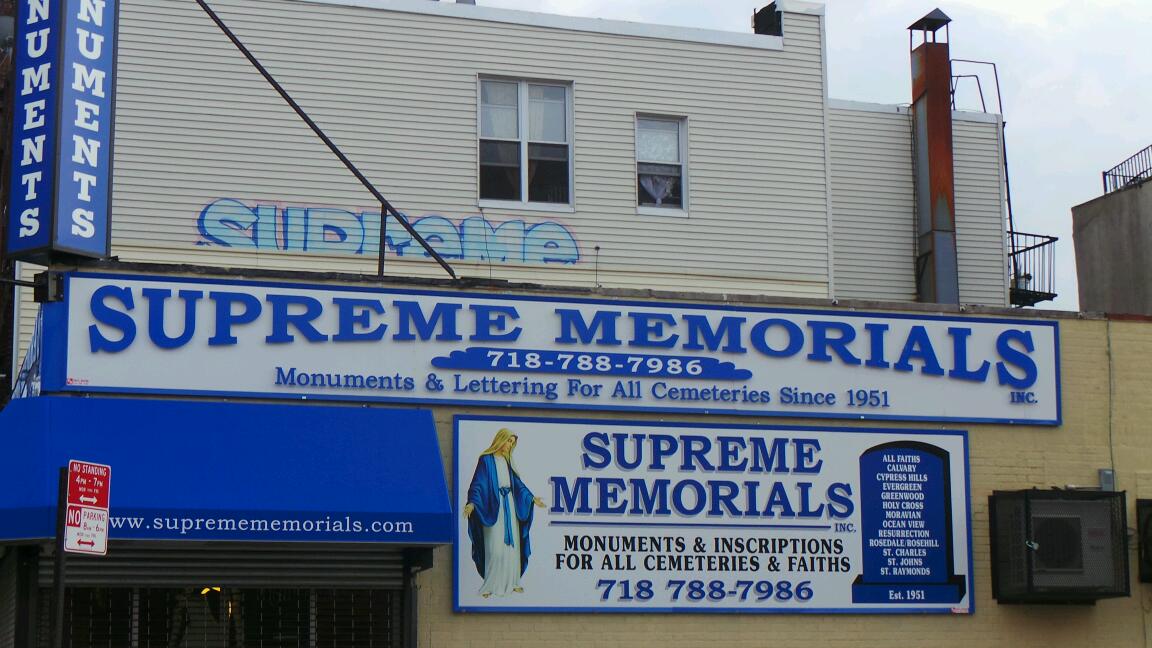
x=1102 y=425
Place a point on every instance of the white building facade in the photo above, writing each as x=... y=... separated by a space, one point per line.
x=687 y=288
x=520 y=145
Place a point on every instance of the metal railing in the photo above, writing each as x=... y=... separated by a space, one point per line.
x=1032 y=262
x=1129 y=172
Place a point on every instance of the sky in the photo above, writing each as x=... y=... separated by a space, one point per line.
x=1075 y=77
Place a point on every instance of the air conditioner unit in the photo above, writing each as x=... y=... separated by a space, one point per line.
x=1058 y=546
x=1144 y=528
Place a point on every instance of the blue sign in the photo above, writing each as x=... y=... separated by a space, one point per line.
x=135 y=334
x=906 y=526
x=61 y=179
x=616 y=516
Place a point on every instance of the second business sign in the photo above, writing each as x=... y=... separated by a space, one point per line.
x=615 y=516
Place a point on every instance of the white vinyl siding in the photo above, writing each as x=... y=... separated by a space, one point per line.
x=981 y=213
x=397 y=91
x=873 y=206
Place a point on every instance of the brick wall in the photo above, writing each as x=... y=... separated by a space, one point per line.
x=1107 y=404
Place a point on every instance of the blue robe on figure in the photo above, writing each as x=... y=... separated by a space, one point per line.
x=484 y=495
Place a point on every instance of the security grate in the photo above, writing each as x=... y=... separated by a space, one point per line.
x=277 y=618
x=94 y=618
x=1058 y=546
x=8 y=593
x=215 y=617
x=357 y=619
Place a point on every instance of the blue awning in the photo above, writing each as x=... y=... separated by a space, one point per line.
x=185 y=470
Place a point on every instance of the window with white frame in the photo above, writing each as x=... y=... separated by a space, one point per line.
x=525 y=142
x=660 y=170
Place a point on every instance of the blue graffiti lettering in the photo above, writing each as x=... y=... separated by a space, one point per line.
x=231 y=223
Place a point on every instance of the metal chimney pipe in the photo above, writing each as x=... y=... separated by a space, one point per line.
x=937 y=275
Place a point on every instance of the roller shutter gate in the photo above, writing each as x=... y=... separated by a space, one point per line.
x=8 y=582
x=195 y=595
x=236 y=565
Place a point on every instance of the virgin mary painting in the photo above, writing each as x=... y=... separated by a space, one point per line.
x=499 y=513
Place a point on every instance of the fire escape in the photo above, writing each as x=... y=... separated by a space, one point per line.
x=1032 y=263
x=1031 y=257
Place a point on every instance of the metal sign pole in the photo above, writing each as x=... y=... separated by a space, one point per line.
x=58 y=574
x=383 y=241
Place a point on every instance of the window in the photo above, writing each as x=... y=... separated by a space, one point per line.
x=525 y=142
x=660 y=171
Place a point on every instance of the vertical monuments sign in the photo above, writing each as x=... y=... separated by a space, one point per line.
x=613 y=516
x=60 y=187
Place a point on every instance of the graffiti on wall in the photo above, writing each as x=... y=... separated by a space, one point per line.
x=323 y=230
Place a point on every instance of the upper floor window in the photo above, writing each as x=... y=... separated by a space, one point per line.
x=525 y=142
x=660 y=170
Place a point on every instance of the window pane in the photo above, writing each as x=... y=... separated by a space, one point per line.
x=548 y=173
x=658 y=140
x=499 y=93
x=499 y=116
x=660 y=185
x=547 y=113
x=500 y=170
x=548 y=92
